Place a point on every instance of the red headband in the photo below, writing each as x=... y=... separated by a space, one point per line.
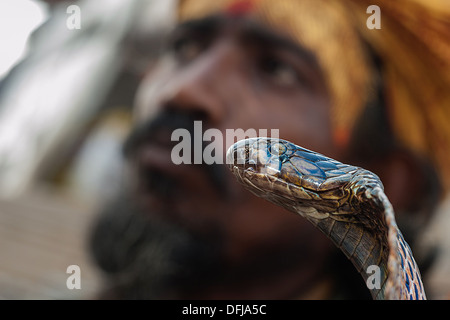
x=240 y=7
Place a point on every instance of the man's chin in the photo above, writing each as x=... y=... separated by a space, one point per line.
x=145 y=257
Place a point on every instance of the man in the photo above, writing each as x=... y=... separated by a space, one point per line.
x=314 y=71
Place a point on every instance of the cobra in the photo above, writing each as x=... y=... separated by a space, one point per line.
x=345 y=202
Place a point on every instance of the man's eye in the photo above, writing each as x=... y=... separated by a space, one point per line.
x=279 y=71
x=186 y=48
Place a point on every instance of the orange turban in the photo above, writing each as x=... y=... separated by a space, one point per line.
x=413 y=44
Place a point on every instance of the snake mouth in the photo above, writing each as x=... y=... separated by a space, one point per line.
x=255 y=163
x=238 y=156
x=257 y=155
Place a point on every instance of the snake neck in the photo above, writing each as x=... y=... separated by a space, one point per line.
x=388 y=273
x=364 y=250
x=368 y=235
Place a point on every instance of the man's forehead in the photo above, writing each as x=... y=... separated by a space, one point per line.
x=248 y=29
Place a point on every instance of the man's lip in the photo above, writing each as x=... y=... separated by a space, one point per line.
x=159 y=157
x=153 y=156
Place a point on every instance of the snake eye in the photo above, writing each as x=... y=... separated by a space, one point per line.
x=277 y=149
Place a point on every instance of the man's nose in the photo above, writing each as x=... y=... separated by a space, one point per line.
x=201 y=87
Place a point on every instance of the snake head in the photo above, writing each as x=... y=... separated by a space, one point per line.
x=285 y=173
x=299 y=179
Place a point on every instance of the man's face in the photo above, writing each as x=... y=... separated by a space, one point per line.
x=231 y=73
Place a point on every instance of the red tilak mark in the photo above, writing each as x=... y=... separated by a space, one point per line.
x=240 y=7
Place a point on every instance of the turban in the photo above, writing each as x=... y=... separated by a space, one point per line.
x=413 y=46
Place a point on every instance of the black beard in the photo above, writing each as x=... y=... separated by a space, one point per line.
x=146 y=258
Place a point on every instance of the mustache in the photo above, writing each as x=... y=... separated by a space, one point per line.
x=164 y=123
x=159 y=130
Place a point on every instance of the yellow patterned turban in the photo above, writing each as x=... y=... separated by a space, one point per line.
x=413 y=44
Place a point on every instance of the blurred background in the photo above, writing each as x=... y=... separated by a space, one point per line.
x=65 y=107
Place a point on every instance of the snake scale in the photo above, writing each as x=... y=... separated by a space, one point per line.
x=345 y=202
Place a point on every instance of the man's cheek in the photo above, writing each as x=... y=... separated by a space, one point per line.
x=152 y=91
